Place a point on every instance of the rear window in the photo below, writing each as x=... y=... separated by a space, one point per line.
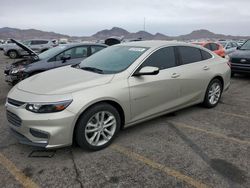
x=190 y=54
x=37 y=42
x=205 y=55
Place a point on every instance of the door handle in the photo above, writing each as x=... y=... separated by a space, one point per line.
x=175 y=75
x=206 y=68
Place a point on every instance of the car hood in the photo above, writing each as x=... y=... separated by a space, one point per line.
x=240 y=54
x=24 y=47
x=62 y=81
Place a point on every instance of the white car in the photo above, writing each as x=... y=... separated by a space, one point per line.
x=117 y=87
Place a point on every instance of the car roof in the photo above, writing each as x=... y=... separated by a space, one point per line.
x=154 y=43
x=82 y=44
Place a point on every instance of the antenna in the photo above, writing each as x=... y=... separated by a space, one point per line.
x=144 y=24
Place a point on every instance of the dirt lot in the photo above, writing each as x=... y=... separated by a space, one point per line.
x=195 y=147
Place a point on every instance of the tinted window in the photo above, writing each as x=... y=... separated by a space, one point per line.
x=77 y=52
x=37 y=42
x=205 y=55
x=95 y=49
x=163 y=58
x=207 y=46
x=189 y=54
x=214 y=46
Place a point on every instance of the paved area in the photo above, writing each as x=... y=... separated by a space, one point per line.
x=194 y=147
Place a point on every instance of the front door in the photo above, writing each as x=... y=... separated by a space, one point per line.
x=152 y=94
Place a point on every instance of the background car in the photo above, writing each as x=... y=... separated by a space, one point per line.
x=240 y=59
x=214 y=47
x=68 y=54
x=38 y=45
x=5 y=43
x=119 y=86
x=229 y=46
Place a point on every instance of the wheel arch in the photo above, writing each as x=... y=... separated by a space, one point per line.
x=219 y=78
x=111 y=102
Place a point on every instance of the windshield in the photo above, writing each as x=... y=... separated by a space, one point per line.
x=51 y=52
x=245 y=46
x=113 y=59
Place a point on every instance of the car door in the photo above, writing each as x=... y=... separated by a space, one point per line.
x=194 y=73
x=152 y=94
x=75 y=54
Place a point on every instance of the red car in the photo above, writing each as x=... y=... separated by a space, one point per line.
x=215 y=47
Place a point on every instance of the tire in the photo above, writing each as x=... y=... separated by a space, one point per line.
x=89 y=129
x=210 y=100
x=13 y=54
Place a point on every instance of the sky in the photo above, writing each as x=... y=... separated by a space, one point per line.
x=86 y=17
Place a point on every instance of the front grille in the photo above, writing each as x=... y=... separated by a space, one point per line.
x=239 y=60
x=14 y=119
x=15 y=102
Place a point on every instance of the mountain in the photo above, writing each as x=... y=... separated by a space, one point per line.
x=205 y=34
x=7 y=32
x=21 y=34
x=115 y=31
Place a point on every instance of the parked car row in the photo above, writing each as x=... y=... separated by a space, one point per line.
x=37 y=45
x=68 y=54
x=122 y=85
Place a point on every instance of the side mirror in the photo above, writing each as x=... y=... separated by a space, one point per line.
x=148 y=70
x=65 y=58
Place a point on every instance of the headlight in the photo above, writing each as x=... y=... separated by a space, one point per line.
x=14 y=71
x=48 y=107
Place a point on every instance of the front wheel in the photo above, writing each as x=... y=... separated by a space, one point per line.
x=213 y=93
x=97 y=127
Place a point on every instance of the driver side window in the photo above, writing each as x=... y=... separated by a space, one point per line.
x=77 y=52
x=163 y=58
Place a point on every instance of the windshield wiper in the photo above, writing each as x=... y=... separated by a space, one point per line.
x=92 y=69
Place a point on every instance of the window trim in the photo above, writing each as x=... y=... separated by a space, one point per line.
x=53 y=59
x=151 y=53
x=180 y=58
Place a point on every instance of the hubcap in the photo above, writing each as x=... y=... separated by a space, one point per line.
x=12 y=54
x=100 y=128
x=214 y=93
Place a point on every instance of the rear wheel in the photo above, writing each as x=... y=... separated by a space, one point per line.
x=13 y=54
x=97 y=127
x=213 y=93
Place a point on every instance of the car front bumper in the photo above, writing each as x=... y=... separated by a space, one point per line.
x=44 y=130
x=240 y=68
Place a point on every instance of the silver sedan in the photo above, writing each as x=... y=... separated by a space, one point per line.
x=120 y=86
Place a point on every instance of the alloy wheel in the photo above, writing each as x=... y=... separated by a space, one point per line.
x=100 y=128
x=214 y=93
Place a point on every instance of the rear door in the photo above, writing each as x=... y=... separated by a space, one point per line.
x=152 y=94
x=76 y=54
x=194 y=73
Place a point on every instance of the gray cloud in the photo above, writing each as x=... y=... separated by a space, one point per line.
x=82 y=17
